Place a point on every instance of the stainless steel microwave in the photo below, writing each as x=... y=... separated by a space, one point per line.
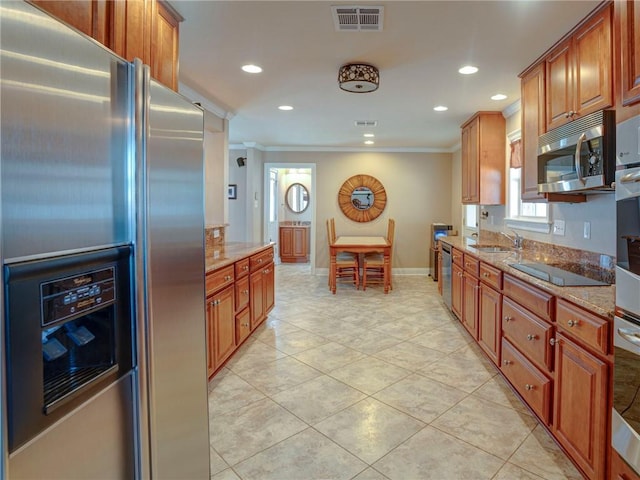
x=579 y=156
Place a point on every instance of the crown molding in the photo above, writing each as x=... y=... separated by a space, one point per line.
x=511 y=109
x=285 y=148
x=204 y=102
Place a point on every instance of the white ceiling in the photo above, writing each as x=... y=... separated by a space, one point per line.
x=418 y=53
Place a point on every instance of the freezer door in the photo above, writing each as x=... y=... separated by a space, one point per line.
x=65 y=102
x=171 y=259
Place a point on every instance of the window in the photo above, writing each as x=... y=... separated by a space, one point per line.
x=523 y=215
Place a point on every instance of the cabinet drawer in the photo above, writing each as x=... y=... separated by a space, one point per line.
x=243 y=325
x=457 y=257
x=532 y=385
x=242 y=293
x=261 y=259
x=491 y=276
x=536 y=300
x=471 y=265
x=218 y=279
x=529 y=334
x=583 y=326
x=242 y=267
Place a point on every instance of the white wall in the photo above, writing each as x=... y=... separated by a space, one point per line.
x=236 y=230
x=215 y=170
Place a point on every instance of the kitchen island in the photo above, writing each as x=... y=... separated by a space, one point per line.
x=240 y=286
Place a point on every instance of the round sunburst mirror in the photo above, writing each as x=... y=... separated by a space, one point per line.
x=362 y=198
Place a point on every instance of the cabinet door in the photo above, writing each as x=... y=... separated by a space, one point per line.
x=286 y=242
x=470 y=159
x=211 y=363
x=256 y=301
x=88 y=16
x=533 y=125
x=470 y=286
x=629 y=26
x=593 y=80
x=559 y=80
x=299 y=242
x=456 y=290
x=224 y=325
x=131 y=30
x=164 y=44
x=269 y=288
x=580 y=406
x=489 y=319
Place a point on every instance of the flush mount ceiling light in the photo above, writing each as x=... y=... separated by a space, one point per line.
x=285 y=107
x=369 y=135
x=441 y=108
x=251 y=68
x=358 y=78
x=499 y=96
x=369 y=142
x=468 y=70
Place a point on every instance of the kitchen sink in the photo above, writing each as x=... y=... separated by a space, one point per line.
x=490 y=248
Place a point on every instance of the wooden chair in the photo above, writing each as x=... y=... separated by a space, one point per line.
x=347 y=267
x=373 y=263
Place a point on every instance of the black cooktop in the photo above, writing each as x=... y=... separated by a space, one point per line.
x=559 y=276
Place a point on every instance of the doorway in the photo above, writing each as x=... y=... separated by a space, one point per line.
x=278 y=178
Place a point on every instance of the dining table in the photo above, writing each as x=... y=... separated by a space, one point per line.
x=358 y=245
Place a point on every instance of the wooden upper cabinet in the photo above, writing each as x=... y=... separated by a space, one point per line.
x=483 y=159
x=533 y=125
x=144 y=29
x=164 y=44
x=579 y=71
x=89 y=16
x=628 y=36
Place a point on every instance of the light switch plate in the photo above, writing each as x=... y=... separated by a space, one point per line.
x=558 y=227
x=587 y=230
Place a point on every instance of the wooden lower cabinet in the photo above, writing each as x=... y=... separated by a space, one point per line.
x=243 y=325
x=620 y=470
x=489 y=322
x=580 y=407
x=221 y=327
x=262 y=293
x=456 y=290
x=470 y=290
x=294 y=244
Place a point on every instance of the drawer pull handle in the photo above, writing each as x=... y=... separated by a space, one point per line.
x=552 y=341
x=528 y=387
x=485 y=274
x=245 y=268
x=259 y=260
x=245 y=324
x=227 y=278
x=246 y=292
x=573 y=323
x=531 y=337
x=508 y=362
x=507 y=318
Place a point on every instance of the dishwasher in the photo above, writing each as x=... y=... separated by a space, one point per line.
x=446 y=273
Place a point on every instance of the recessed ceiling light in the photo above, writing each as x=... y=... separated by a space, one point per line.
x=441 y=108
x=251 y=68
x=369 y=135
x=468 y=70
x=285 y=107
x=498 y=96
x=369 y=142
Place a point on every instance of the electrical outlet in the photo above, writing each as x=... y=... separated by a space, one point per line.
x=587 y=230
x=558 y=228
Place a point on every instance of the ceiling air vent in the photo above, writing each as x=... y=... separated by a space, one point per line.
x=366 y=123
x=354 y=18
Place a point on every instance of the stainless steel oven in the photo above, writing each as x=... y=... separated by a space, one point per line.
x=625 y=424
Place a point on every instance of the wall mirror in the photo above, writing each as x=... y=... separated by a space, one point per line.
x=297 y=198
x=362 y=198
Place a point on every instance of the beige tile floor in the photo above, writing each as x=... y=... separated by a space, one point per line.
x=366 y=386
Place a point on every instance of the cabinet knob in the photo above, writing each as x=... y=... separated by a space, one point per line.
x=485 y=274
x=259 y=260
x=528 y=387
x=507 y=362
x=531 y=337
x=245 y=268
x=246 y=292
x=507 y=318
x=245 y=324
x=227 y=277
x=573 y=323
x=552 y=341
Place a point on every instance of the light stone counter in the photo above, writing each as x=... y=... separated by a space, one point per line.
x=222 y=255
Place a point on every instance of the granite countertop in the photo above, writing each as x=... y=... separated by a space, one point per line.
x=597 y=299
x=220 y=256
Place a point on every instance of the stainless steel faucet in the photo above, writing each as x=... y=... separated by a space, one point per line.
x=516 y=241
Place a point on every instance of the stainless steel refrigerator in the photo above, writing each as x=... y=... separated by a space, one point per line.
x=98 y=164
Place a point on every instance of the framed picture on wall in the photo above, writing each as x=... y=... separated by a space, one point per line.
x=232 y=191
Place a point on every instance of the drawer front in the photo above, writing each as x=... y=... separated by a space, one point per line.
x=457 y=257
x=532 y=385
x=491 y=276
x=471 y=265
x=536 y=300
x=261 y=259
x=529 y=334
x=219 y=279
x=242 y=267
x=583 y=326
x=242 y=293
x=243 y=325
